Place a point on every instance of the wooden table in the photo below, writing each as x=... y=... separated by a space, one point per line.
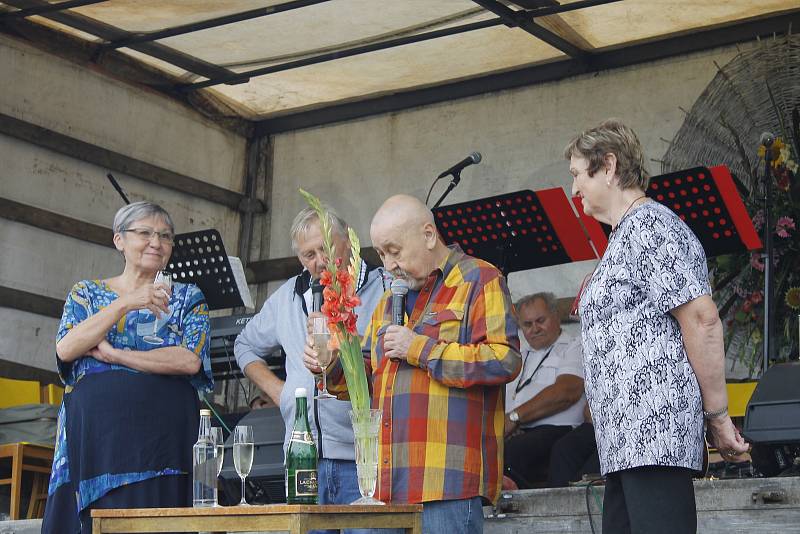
x=297 y=519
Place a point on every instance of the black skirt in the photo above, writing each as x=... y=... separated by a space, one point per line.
x=129 y=445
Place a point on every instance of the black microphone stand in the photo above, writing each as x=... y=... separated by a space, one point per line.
x=117 y=187
x=505 y=254
x=453 y=183
x=769 y=290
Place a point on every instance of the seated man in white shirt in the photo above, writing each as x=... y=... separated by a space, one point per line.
x=546 y=400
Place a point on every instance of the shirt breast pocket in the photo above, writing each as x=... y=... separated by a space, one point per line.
x=444 y=325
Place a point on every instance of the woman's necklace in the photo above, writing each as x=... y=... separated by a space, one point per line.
x=624 y=215
x=588 y=277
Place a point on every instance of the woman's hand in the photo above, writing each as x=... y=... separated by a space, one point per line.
x=723 y=435
x=104 y=352
x=153 y=297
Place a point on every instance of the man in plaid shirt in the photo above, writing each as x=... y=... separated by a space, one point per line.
x=439 y=381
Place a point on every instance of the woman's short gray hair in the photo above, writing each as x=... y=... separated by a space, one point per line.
x=307 y=216
x=127 y=215
x=612 y=136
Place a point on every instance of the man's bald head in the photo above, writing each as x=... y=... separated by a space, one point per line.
x=402 y=211
x=404 y=234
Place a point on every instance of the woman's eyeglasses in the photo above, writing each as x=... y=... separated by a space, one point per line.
x=147 y=234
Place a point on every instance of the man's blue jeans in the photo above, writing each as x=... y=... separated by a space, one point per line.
x=464 y=516
x=338 y=484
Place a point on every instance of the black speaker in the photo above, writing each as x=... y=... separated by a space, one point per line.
x=773 y=413
x=265 y=483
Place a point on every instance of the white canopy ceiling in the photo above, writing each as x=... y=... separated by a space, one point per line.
x=301 y=38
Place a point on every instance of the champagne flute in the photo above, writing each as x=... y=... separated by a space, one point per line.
x=162 y=277
x=219 y=445
x=243 y=454
x=322 y=336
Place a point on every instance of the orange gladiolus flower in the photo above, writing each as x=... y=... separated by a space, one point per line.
x=326 y=278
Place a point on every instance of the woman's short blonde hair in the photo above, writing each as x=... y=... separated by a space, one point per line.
x=612 y=137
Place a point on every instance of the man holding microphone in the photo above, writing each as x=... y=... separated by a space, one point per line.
x=439 y=381
x=281 y=323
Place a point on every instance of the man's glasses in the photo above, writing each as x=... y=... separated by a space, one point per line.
x=146 y=234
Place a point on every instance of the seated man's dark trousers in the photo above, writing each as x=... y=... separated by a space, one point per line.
x=527 y=454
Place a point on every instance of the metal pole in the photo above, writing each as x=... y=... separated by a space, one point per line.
x=768 y=263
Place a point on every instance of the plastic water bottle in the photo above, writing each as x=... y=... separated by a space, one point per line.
x=204 y=464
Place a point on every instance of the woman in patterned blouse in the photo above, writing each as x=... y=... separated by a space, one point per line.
x=652 y=342
x=130 y=411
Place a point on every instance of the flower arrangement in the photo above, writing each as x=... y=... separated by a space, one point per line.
x=339 y=302
x=739 y=279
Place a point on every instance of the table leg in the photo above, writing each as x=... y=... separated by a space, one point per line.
x=417 y=528
x=16 y=481
x=97 y=525
x=299 y=524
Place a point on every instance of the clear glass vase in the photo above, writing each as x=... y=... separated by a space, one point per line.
x=366 y=427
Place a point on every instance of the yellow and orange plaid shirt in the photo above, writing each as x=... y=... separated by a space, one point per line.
x=443 y=409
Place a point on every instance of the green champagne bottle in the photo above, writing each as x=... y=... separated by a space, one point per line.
x=301 y=456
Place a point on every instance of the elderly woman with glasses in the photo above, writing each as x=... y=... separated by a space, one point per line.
x=130 y=411
x=652 y=342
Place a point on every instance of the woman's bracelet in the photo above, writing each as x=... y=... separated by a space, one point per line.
x=717 y=414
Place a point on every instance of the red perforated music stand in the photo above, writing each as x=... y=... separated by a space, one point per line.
x=517 y=231
x=706 y=199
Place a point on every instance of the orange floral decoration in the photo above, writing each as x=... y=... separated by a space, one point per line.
x=340 y=300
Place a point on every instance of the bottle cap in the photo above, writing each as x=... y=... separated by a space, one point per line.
x=205 y=412
x=300 y=392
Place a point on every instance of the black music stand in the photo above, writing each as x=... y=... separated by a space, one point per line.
x=516 y=231
x=199 y=258
x=708 y=202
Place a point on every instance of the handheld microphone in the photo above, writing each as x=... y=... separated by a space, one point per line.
x=472 y=159
x=316 y=295
x=399 y=291
x=766 y=139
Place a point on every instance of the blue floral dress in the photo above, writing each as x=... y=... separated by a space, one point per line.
x=118 y=426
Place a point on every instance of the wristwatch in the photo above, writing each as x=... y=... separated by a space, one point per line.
x=513 y=416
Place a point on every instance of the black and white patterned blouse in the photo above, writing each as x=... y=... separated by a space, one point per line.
x=642 y=391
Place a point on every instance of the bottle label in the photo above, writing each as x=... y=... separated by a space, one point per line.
x=305 y=483
x=301 y=437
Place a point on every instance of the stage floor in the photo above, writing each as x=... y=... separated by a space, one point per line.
x=752 y=505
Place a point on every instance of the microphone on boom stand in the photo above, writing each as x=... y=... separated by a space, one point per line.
x=455 y=171
x=766 y=140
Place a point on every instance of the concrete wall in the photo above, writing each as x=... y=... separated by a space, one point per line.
x=520 y=133
x=73 y=100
